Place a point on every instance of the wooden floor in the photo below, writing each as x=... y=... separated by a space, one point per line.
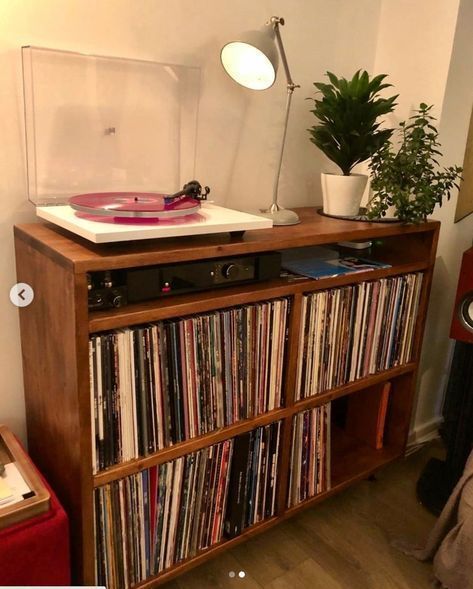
x=342 y=543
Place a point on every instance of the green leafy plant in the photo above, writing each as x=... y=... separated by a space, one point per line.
x=409 y=176
x=348 y=111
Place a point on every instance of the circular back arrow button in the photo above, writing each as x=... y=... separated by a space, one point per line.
x=21 y=294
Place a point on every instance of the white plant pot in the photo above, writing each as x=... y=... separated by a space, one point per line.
x=342 y=194
x=391 y=213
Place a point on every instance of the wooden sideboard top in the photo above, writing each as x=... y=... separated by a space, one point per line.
x=80 y=256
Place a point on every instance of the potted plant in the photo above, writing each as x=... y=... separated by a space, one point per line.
x=408 y=176
x=348 y=133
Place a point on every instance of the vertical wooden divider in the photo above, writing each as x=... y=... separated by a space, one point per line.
x=289 y=399
x=424 y=298
x=53 y=368
x=83 y=391
x=409 y=390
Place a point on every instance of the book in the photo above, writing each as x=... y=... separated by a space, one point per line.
x=321 y=262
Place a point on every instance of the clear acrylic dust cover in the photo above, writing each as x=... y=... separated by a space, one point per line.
x=105 y=124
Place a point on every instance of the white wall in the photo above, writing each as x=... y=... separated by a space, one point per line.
x=455 y=238
x=415 y=42
x=414 y=46
x=239 y=129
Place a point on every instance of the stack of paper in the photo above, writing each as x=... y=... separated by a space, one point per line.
x=12 y=486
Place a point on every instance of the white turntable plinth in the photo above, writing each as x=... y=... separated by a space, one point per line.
x=210 y=219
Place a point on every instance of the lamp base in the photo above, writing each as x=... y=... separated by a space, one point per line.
x=281 y=216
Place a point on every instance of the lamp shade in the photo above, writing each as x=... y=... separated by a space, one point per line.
x=253 y=59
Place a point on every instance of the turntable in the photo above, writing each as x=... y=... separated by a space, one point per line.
x=111 y=148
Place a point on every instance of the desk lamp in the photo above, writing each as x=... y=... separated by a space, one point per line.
x=252 y=61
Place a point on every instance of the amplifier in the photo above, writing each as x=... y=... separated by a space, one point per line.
x=115 y=288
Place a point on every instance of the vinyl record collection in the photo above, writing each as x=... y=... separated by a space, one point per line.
x=354 y=331
x=310 y=454
x=149 y=521
x=252 y=494
x=155 y=385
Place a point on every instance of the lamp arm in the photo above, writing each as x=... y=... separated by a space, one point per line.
x=276 y=21
x=275 y=206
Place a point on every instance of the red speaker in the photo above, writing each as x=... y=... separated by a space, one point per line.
x=462 y=320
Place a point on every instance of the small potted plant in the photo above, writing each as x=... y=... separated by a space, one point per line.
x=348 y=133
x=406 y=177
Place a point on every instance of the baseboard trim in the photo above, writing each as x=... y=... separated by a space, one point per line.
x=424 y=432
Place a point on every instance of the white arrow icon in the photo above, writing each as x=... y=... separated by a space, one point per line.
x=21 y=294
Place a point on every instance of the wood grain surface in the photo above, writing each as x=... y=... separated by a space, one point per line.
x=55 y=330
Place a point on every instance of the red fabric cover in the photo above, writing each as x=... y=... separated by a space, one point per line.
x=36 y=551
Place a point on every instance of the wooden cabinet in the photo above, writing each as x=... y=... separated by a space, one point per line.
x=56 y=327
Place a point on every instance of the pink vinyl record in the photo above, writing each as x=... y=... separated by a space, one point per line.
x=147 y=205
x=167 y=222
